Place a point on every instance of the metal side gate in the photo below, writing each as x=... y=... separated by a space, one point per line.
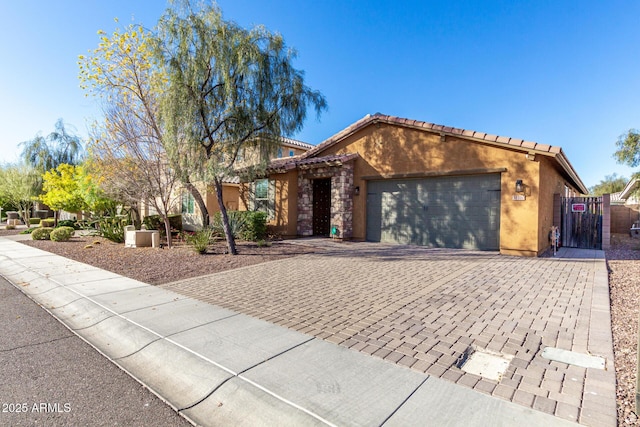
x=581 y=222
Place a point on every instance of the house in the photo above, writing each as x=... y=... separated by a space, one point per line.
x=389 y=179
x=191 y=217
x=625 y=207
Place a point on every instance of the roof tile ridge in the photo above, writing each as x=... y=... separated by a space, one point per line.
x=346 y=131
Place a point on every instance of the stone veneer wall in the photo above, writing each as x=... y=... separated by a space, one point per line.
x=341 y=199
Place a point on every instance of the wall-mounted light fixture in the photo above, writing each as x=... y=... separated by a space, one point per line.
x=519 y=186
x=356 y=191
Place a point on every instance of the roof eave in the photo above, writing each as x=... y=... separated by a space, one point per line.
x=566 y=165
x=630 y=188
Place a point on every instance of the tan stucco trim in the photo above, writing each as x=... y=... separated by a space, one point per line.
x=434 y=174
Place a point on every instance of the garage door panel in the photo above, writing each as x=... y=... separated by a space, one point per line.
x=456 y=212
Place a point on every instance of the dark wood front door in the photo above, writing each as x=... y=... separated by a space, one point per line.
x=321 y=207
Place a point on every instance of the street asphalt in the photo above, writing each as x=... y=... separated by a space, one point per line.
x=51 y=377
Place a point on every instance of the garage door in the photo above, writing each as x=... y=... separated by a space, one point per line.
x=448 y=212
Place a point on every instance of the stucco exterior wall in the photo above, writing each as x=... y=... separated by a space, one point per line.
x=286 y=205
x=296 y=151
x=388 y=151
x=230 y=197
x=283 y=222
x=550 y=182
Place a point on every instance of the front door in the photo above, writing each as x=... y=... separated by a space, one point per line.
x=321 y=206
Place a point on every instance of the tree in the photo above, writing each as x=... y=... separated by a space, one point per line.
x=60 y=146
x=229 y=88
x=19 y=185
x=127 y=147
x=628 y=152
x=609 y=185
x=62 y=189
x=89 y=186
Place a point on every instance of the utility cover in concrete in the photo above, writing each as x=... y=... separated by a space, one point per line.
x=487 y=365
x=573 y=358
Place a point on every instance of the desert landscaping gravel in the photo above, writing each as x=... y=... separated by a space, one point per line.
x=155 y=266
x=158 y=266
x=623 y=261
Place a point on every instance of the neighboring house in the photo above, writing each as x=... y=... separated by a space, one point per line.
x=389 y=179
x=630 y=194
x=191 y=217
x=625 y=207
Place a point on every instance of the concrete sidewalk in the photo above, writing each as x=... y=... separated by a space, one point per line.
x=219 y=367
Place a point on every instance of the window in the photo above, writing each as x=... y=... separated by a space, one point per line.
x=264 y=196
x=261 y=195
x=187 y=203
x=291 y=153
x=280 y=152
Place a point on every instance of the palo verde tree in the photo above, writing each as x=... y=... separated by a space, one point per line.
x=61 y=189
x=229 y=88
x=127 y=146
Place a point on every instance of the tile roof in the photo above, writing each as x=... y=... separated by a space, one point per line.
x=295 y=162
x=375 y=118
x=296 y=143
x=616 y=198
x=231 y=180
x=506 y=142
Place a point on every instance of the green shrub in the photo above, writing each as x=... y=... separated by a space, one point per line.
x=10 y=227
x=199 y=240
x=155 y=222
x=256 y=227
x=83 y=225
x=245 y=225
x=34 y=221
x=263 y=243
x=111 y=227
x=42 y=233
x=61 y=234
x=47 y=223
x=69 y=223
x=237 y=223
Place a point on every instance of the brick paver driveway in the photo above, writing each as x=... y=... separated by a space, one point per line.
x=423 y=308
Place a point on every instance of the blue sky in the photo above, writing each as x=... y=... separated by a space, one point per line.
x=564 y=73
